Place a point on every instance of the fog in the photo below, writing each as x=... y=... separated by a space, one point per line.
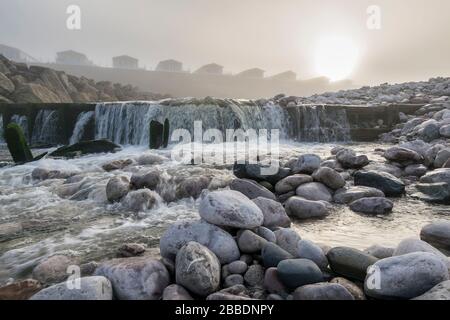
x=412 y=44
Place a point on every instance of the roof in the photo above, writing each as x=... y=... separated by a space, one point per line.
x=284 y=74
x=252 y=70
x=124 y=56
x=209 y=65
x=72 y=52
x=170 y=61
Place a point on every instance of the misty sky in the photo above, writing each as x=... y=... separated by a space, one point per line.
x=275 y=35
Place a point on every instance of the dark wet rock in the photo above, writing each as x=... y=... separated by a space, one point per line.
x=291 y=183
x=416 y=170
x=88 y=268
x=20 y=290
x=437 y=234
x=395 y=170
x=306 y=163
x=117 y=164
x=233 y=280
x=372 y=205
x=441 y=158
x=306 y=209
x=355 y=291
x=410 y=245
x=284 y=197
x=131 y=250
x=288 y=238
x=274 y=213
x=91 y=288
x=192 y=187
x=380 y=252
x=136 y=278
x=266 y=233
x=322 y=291
x=348 y=195
x=214 y=238
x=272 y=254
x=402 y=155
x=176 y=292
x=44 y=174
x=237 y=267
x=309 y=250
x=149 y=180
x=436 y=176
x=117 y=188
x=86 y=147
x=295 y=273
x=329 y=177
x=349 y=160
x=230 y=208
x=254 y=276
x=433 y=192
x=406 y=276
x=428 y=130
x=197 y=269
x=250 y=242
x=350 y=263
x=314 y=191
x=141 y=200
x=390 y=185
x=251 y=189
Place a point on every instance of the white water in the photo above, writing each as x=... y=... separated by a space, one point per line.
x=46 y=129
x=127 y=123
x=80 y=126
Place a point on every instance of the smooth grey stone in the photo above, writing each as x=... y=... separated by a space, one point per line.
x=349 y=262
x=389 y=184
x=176 y=292
x=288 y=239
x=306 y=209
x=266 y=233
x=380 y=252
x=237 y=267
x=273 y=212
x=372 y=205
x=437 y=234
x=309 y=250
x=250 y=242
x=439 y=292
x=314 y=191
x=348 y=195
x=254 y=276
x=322 y=291
x=233 y=280
x=251 y=189
x=273 y=284
x=294 y=273
x=117 y=188
x=307 y=163
x=272 y=254
x=351 y=287
x=329 y=177
x=291 y=183
x=416 y=245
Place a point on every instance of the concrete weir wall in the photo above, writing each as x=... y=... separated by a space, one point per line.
x=362 y=119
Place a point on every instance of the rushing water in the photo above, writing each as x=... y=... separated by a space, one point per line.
x=37 y=219
x=45 y=130
x=22 y=121
x=80 y=126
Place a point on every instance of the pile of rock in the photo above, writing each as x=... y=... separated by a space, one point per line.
x=21 y=83
x=234 y=253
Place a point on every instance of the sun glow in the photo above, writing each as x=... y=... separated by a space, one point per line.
x=336 y=57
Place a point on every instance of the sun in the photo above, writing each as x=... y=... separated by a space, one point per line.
x=336 y=57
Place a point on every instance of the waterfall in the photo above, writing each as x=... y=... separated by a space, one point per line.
x=2 y=140
x=45 y=129
x=22 y=121
x=80 y=126
x=127 y=123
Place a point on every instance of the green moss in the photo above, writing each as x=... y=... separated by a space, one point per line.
x=17 y=144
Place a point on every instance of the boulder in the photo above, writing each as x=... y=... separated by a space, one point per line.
x=288 y=239
x=416 y=245
x=149 y=159
x=402 y=155
x=117 y=188
x=272 y=254
x=314 y=191
x=237 y=267
x=176 y=292
x=380 y=252
x=437 y=234
x=251 y=189
x=433 y=192
x=258 y=172
x=149 y=180
x=141 y=200
x=329 y=177
x=214 y=238
x=86 y=147
x=249 y=242
x=436 y=176
x=349 y=160
x=307 y=163
x=351 y=194
x=291 y=183
x=406 y=276
x=294 y=273
x=273 y=212
x=428 y=130
x=306 y=209
x=137 y=278
x=91 y=288
x=230 y=208
x=117 y=165
x=197 y=269
x=266 y=233
x=273 y=284
x=445 y=131
x=438 y=292
x=53 y=269
x=309 y=250
x=416 y=170
x=21 y=290
x=355 y=291
x=192 y=187
x=441 y=158
x=254 y=276
x=350 y=263
x=322 y=291
x=232 y=280
x=128 y=250
x=372 y=205
x=390 y=185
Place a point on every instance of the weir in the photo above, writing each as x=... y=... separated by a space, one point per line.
x=127 y=123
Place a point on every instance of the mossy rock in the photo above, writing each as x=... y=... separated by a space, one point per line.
x=17 y=144
x=156 y=135
x=86 y=147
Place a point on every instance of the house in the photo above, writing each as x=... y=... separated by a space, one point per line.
x=170 y=66
x=285 y=76
x=72 y=58
x=212 y=68
x=255 y=73
x=125 y=62
x=15 y=54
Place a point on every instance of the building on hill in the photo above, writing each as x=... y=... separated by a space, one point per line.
x=255 y=73
x=285 y=76
x=71 y=57
x=212 y=68
x=15 y=54
x=170 y=66
x=125 y=62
